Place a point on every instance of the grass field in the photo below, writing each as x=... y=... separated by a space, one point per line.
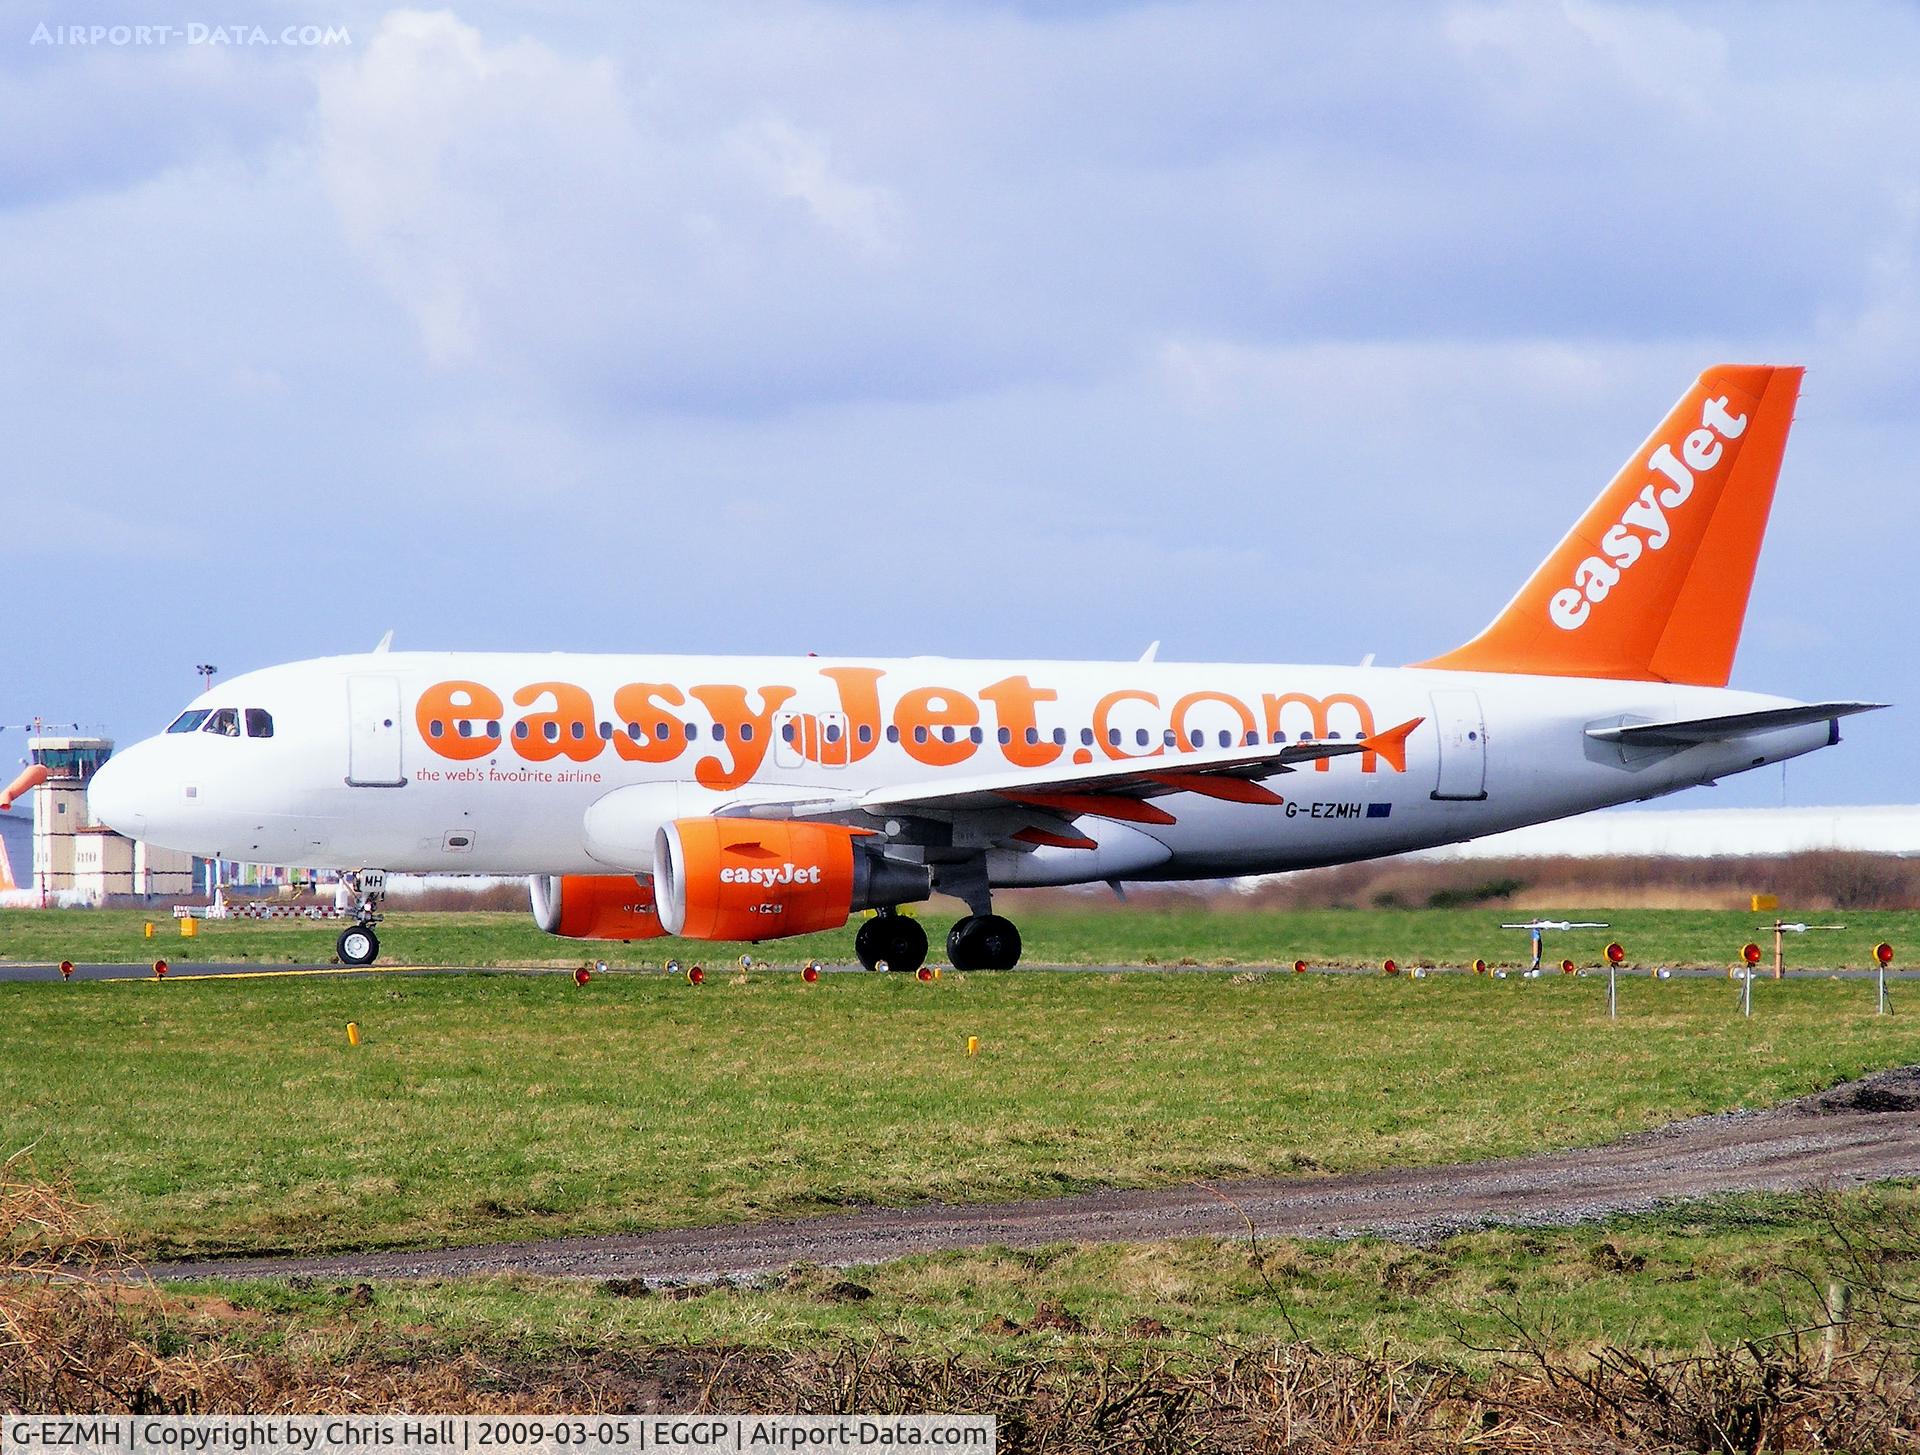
x=1715 y=1272
x=210 y=1115
x=1098 y=934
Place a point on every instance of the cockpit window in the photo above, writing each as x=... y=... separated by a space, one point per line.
x=190 y=720
x=225 y=721
x=259 y=723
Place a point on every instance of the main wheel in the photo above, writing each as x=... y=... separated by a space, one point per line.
x=983 y=942
x=892 y=940
x=358 y=946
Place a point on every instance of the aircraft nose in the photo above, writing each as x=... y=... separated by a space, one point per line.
x=117 y=798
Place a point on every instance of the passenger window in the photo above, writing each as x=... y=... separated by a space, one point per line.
x=719 y=732
x=975 y=735
x=465 y=728
x=920 y=733
x=946 y=734
x=1196 y=737
x=520 y=729
x=866 y=732
x=225 y=721
x=190 y=720
x=893 y=732
x=1113 y=737
x=1059 y=737
x=786 y=732
x=1006 y=735
x=493 y=730
x=553 y=732
x=746 y=732
x=436 y=728
x=1086 y=737
x=1140 y=736
x=833 y=732
x=1226 y=739
x=606 y=732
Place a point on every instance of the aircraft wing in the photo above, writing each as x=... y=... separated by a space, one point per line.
x=1116 y=790
x=1689 y=732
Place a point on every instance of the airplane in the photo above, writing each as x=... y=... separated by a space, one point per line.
x=751 y=798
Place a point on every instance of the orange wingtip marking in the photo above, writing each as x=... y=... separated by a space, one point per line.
x=1233 y=790
x=1392 y=744
x=1048 y=840
x=1126 y=810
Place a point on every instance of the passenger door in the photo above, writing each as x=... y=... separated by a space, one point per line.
x=1463 y=745
x=373 y=733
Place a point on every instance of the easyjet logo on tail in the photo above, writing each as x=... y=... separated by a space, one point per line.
x=1644 y=524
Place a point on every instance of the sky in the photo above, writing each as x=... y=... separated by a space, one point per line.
x=1274 y=333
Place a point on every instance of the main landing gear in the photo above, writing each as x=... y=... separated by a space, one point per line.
x=983 y=942
x=892 y=941
x=977 y=942
x=358 y=944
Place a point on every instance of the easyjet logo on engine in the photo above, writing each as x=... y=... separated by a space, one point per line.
x=729 y=729
x=1643 y=526
x=788 y=873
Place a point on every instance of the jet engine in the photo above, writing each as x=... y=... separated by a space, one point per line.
x=760 y=879
x=595 y=906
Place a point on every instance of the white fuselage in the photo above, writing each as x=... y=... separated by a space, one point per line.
x=367 y=766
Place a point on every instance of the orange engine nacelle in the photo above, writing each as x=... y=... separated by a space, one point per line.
x=595 y=907
x=760 y=879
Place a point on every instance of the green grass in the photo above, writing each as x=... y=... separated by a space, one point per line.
x=215 y=1115
x=1719 y=1271
x=1098 y=934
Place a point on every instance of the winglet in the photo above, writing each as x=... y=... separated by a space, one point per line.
x=1392 y=744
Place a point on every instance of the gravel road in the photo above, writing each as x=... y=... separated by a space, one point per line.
x=1861 y=1132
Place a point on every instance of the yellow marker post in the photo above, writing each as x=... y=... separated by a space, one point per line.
x=353 y=1033
x=973 y=1045
x=189 y=927
x=149 y=929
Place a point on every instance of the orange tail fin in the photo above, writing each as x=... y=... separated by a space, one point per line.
x=1652 y=584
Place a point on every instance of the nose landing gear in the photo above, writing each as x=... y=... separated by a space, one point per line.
x=358 y=944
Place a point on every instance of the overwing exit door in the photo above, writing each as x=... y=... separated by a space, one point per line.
x=1463 y=745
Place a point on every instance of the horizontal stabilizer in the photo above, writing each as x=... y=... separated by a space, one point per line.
x=1691 y=731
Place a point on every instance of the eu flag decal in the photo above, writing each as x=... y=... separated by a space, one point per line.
x=1379 y=810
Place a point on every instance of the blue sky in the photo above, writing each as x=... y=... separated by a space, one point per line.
x=1276 y=333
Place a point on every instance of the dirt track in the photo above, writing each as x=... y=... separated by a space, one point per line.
x=1861 y=1132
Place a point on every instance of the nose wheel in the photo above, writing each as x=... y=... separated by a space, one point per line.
x=891 y=940
x=983 y=942
x=358 y=946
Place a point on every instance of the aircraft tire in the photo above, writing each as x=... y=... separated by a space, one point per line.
x=357 y=945
x=892 y=939
x=983 y=942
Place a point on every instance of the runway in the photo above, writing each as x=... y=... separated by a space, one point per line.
x=1861 y=1132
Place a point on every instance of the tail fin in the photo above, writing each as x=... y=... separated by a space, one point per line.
x=1652 y=584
